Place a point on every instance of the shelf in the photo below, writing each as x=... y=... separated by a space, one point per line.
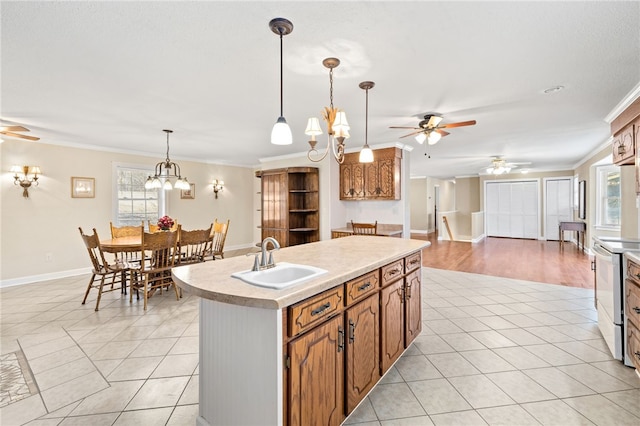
x=302 y=229
x=303 y=211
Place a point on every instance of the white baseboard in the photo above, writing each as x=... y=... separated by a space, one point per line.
x=44 y=277
x=480 y=238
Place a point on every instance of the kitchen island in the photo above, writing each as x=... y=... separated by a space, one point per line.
x=260 y=347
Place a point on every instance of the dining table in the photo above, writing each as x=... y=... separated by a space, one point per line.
x=122 y=244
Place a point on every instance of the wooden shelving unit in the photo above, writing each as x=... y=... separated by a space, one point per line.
x=290 y=205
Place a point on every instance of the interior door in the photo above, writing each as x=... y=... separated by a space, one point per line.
x=558 y=206
x=512 y=209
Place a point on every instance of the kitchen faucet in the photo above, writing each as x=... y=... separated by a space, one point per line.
x=264 y=263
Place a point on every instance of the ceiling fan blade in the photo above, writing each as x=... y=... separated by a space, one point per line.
x=411 y=134
x=442 y=132
x=14 y=129
x=404 y=127
x=18 y=135
x=460 y=124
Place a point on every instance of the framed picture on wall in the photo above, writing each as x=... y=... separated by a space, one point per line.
x=582 y=199
x=83 y=187
x=188 y=194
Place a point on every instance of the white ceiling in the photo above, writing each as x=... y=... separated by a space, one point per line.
x=114 y=74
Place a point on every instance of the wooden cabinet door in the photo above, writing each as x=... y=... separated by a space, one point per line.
x=346 y=179
x=372 y=180
x=352 y=178
x=316 y=376
x=275 y=212
x=636 y=141
x=624 y=147
x=413 y=307
x=362 y=354
x=392 y=323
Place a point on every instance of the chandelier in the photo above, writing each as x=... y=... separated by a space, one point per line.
x=164 y=171
x=337 y=125
x=498 y=167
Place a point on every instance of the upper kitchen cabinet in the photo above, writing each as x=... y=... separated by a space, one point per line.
x=625 y=128
x=290 y=205
x=379 y=180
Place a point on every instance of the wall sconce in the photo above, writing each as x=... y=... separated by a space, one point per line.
x=29 y=176
x=218 y=185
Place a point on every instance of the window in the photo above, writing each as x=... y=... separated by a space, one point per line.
x=134 y=203
x=608 y=205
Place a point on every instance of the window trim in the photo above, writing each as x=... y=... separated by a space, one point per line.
x=162 y=196
x=601 y=172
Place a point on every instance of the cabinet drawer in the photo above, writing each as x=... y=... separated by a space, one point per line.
x=633 y=271
x=632 y=302
x=392 y=272
x=413 y=262
x=633 y=345
x=312 y=311
x=362 y=286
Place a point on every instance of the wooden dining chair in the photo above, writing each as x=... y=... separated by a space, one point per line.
x=130 y=257
x=193 y=246
x=159 y=250
x=112 y=276
x=364 y=228
x=218 y=236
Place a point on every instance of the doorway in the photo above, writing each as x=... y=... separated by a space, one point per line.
x=558 y=195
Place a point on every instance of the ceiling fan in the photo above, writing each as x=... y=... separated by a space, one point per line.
x=11 y=131
x=500 y=166
x=430 y=129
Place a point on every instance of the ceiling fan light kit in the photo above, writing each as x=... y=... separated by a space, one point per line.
x=281 y=132
x=429 y=129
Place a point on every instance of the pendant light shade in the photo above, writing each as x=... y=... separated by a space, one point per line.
x=366 y=154
x=166 y=170
x=281 y=133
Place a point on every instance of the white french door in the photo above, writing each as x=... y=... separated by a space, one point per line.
x=512 y=209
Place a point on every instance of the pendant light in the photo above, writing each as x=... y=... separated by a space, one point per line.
x=281 y=133
x=366 y=154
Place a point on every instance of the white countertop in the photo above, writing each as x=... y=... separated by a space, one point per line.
x=343 y=258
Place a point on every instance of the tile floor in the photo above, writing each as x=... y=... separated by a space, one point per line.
x=493 y=351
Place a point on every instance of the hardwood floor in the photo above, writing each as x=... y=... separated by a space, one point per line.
x=531 y=260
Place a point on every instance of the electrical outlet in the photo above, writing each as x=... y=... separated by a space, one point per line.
x=48 y=257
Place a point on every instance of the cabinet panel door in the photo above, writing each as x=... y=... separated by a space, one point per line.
x=372 y=182
x=362 y=350
x=392 y=323
x=316 y=377
x=346 y=179
x=413 y=306
x=358 y=181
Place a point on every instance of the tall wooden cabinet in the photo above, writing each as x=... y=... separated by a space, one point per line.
x=379 y=180
x=290 y=207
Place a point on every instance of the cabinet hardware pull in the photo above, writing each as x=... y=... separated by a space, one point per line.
x=340 y=339
x=638 y=276
x=394 y=271
x=364 y=286
x=352 y=331
x=320 y=309
x=593 y=265
x=637 y=354
x=407 y=293
x=637 y=310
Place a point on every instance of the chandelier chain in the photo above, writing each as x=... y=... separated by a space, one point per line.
x=331 y=87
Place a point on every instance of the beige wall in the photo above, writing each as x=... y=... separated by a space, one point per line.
x=419 y=203
x=45 y=226
x=467 y=195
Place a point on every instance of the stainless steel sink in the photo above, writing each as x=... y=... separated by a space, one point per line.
x=281 y=276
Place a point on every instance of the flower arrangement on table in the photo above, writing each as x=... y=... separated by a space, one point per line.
x=165 y=223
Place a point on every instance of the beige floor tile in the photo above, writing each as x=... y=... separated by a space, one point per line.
x=56 y=359
x=115 y=350
x=629 y=400
x=31 y=340
x=184 y=415
x=452 y=364
x=619 y=371
x=552 y=354
x=458 y=418
x=602 y=411
x=521 y=337
x=107 y=366
x=492 y=339
x=469 y=324
x=584 y=351
x=44 y=422
x=134 y=369
x=496 y=322
x=487 y=361
x=47 y=347
x=169 y=330
x=112 y=399
x=154 y=347
x=438 y=396
x=549 y=335
x=558 y=383
x=596 y=379
x=408 y=421
x=64 y=373
x=73 y=390
x=176 y=365
x=185 y=345
x=61 y=412
x=462 y=342
x=163 y=392
x=443 y=326
x=413 y=368
x=432 y=345
x=190 y=394
x=395 y=400
x=363 y=413
x=520 y=387
x=391 y=376
x=508 y=415
x=134 y=333
x=23 y=411
x=93 y=420
x=480 y=392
